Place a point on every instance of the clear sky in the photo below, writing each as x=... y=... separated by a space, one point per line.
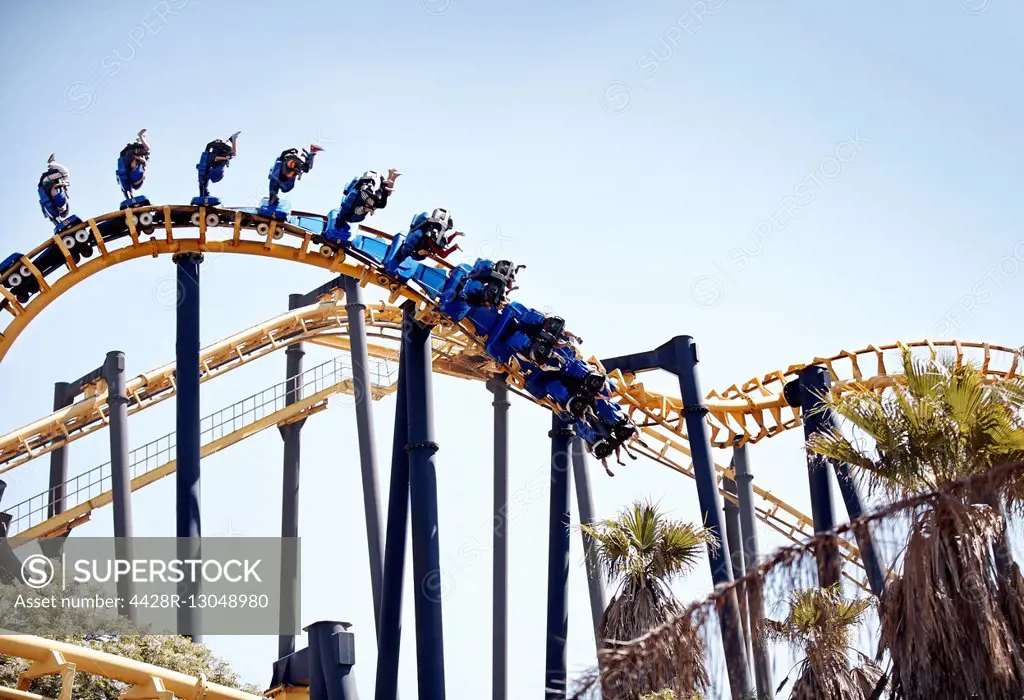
x=778 y=179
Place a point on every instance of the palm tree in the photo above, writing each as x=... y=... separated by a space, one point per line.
x=953 y=622
x=668 y=694
x=820 y=623
x=641 y=552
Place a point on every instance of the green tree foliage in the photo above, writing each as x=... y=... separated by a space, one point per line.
x=819 y=624
x=641 y=552
x=953 y=621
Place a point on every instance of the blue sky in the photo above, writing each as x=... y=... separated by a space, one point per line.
x=643 y=161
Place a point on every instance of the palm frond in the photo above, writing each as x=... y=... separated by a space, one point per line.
x=952 y=627
x=939 y=421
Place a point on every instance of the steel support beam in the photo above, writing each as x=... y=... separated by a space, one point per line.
x=755 y=600
x=684 y=351
x=555 y=677
x=120 y=474
x=62 y=398
x=331 y=658
x=390 y=636
x=679 y=356
x=585 y=502
x=291 y=433
x=426 y=555
x=734 y=535
x=814 y=383
x=499 y=616
x=187 y=474
x=865 y=540
x=362 y=390
x=64 y=395
x=811 y=388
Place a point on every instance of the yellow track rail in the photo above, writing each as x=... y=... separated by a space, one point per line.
x=285 y=242
x=79 y=509
x=324 y=323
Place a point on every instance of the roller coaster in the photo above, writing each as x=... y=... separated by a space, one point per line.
x=456 y=320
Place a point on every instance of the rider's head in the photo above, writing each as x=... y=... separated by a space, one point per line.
x=442 y=217
x=290 y=162
x=372 y=178
x=219 y=148
x=624 y=430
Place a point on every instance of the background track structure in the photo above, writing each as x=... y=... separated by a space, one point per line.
x=739 y=414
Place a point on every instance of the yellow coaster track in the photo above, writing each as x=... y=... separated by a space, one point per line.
x=742 y=413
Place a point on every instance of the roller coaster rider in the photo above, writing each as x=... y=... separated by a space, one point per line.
x=215 y=158
x=536 y=338
x=366 y=194
x=428 y=235
x=586 y=396
x=53 y=191
x=289 y=168
x=608 y=435
x=131 y=165
x=489 y=283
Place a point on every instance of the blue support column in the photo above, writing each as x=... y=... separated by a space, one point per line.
x=734 y=535
x=63 y=396
x=362 y=390
x=558 y=561
x=187 y=349
x=499 y=613
x=585 y=502
x=120 y=474
x=291 y=433
x=317 y=674
x=760 y=653
x=814 y=382
x=331 y=658
x=426 y=555
x=684 y=352
x=389 y=637
x=865 y=540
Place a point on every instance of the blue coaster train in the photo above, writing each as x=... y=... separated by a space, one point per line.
x=515 y=335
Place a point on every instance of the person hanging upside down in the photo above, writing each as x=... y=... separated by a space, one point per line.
x=216 y=156
x=429 y=235
x=53 y=190
x=537 y=337
x=607 y=431
x=131 y=164
x=489 y=283
x=289 y=168
x=366 y=194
